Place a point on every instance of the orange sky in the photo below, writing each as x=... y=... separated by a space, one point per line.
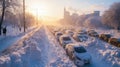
x=53 y=9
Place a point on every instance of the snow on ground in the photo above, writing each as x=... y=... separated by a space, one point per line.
x=106 y=54
x=13 y=31
x=59 y=58
x=13 y=35
x=37 y=51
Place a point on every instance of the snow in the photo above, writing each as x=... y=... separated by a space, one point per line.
x=103 y=52
x=39 y=48
x=12 y=37
x=36 y=51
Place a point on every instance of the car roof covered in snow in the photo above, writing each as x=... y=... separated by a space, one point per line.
x=58 y=33
x=65 y=35
x=76 y=44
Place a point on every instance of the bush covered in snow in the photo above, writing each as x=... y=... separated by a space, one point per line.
x=93 y=22
x=111 y=17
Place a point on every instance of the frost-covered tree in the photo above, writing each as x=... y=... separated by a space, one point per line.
x=93 y=22
x=111 y=17
x=7 y=6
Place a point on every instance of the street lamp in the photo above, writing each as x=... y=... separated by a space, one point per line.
x=24 y=14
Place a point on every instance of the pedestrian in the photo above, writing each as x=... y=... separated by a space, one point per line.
x=20 y=29
x=4 y=31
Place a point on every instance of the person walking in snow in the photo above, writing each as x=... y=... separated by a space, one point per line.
x=4 y=31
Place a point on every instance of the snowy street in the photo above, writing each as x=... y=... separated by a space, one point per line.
x=39 y=48
x=36 y=51
x=59 y=33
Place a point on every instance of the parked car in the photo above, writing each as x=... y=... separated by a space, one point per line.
x=58 y=34
x=93 y=33
x=69 y=32
x=114 y=41
x=80 y=37
x=65 y=39
x=78 y=53
x=81 y=32
x=105 y=37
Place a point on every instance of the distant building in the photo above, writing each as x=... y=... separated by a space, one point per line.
x=66 y=14
x=96 y=13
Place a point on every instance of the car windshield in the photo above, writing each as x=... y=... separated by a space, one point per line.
x=80 y=36
x=66 y=38
x=59 y=34
x=108 y=35
x=81 y=33
x=80 y=49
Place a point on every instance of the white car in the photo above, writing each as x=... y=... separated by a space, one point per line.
x=69 y=32
x=57 y=35
x=80 y=38
x=78 y=54
x=65 y=39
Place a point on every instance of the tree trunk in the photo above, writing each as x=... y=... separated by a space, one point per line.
x=2 y=17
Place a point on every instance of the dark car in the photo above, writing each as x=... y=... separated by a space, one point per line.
x=114 y=41
x=105 y=37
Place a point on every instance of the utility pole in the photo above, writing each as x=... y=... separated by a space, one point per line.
x=37 y=16
x=24 y=15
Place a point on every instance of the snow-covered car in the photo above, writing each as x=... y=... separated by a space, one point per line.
x=69 y=32
x=93 y=33
x=65 y=39
x=58 y=34
x=114 y=41
x=78 y=53
x=55 y=30
x=79 y=37
x=105 y=37
x=81 y=32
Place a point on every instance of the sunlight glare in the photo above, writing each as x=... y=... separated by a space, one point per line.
x=38 y=9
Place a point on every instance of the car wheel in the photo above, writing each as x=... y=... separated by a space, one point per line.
x=78 y=62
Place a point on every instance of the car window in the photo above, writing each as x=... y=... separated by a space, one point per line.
x=66 y=38
x=80 y=49
x=59 y=34
x=108 y=36
x=80 y=36
x=81 y=33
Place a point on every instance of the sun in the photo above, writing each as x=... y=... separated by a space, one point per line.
x=38 y=9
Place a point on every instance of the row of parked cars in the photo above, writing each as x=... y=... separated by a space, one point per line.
x=105 y=37
x=108 y=38
x=75 y=51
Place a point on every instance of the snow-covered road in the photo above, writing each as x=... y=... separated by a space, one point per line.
x=41 y=49
x=37 y=51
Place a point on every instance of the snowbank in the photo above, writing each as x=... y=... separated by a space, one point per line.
x=37 y=51
x=103 y=51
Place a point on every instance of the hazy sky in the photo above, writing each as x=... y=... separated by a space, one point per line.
x=54 y=8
